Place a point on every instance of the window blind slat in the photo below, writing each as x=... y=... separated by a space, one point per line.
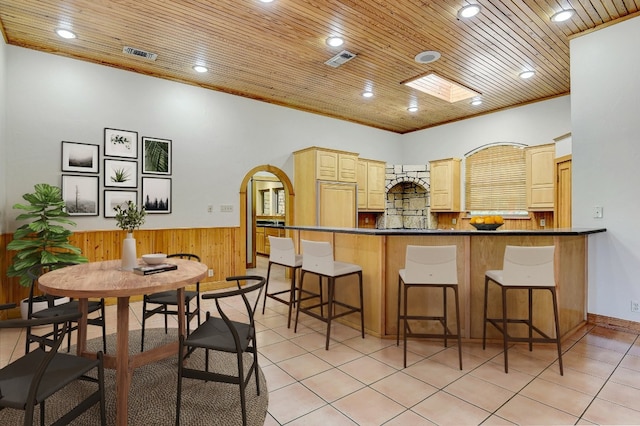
x=495 y=179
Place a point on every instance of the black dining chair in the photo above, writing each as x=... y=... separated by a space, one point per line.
x=164 y=300
x=30 y=380
x=54 y=309
x=222 y=334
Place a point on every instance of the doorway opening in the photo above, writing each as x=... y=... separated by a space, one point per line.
x=266 y=196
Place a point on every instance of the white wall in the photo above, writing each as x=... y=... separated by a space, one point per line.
x=216 y=138
x=533 y=124
x=3 y=124
x=606 y=161
x=563 y=146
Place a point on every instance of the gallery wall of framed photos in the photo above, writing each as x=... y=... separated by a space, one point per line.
x=143 y=178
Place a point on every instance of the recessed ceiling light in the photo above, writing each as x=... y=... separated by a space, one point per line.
x=335 y=41
x=266 y=1
x=563 y=15
x=527 y=74
x=200 y=68
x=65 y=33
x=412 y=109
x=476 y=102
x=367 y=94
x=427 y=57
x=469 y=11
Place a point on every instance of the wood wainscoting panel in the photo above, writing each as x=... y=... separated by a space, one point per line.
x=220 y=249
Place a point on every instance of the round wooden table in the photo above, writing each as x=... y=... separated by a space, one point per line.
x=105 y=279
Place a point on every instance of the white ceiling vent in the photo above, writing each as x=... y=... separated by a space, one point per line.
x=340 y=59
x=140 y=53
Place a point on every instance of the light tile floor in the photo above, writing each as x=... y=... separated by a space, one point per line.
x=361 y=381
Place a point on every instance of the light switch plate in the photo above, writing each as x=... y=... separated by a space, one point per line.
x=597 y=212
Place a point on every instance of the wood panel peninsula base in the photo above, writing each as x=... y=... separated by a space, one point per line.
x=381 y=254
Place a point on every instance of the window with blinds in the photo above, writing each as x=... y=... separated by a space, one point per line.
x=495 y=179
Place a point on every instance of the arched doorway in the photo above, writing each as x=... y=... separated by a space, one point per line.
x=247 y=208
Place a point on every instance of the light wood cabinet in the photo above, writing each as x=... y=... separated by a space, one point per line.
x=363 y=184
x=260 y=240
x=263 y=246
x=347 y=167
x=371 y=190
x=539 y=182
x=337 y=205
x=335 y=166
x=445 y=185
x=325 y=205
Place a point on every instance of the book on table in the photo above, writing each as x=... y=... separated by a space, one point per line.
x=154 y=269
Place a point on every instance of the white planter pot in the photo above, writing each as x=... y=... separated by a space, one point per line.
x=38 y=306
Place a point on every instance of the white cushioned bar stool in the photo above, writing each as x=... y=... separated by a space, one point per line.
x=525 y=268
x=429 y=267
x=317 y=258
x=283 y=253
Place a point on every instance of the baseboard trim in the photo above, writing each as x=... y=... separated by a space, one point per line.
x=614 y=323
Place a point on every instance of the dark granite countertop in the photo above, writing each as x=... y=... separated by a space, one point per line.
x=427 y=232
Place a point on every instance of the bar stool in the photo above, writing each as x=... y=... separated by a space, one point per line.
x=525 y=268
x=429 y=267
x=317 y=258
x=283 y=253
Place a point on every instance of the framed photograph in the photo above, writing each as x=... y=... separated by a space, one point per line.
x=117 y=198
x=80 y=195
x=156 y=156
x=156 y=194
x=120 y=173
x=80 y=157
x=120 y=143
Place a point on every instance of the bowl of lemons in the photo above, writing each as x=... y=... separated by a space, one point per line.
x=486 y=223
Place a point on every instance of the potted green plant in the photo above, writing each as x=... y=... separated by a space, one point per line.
x=44 y=239
x=129 y=218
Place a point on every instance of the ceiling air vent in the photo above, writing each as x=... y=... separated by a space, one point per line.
x=140 y=53
x=340 y=59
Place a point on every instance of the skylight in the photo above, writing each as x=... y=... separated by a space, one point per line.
x=442 y=88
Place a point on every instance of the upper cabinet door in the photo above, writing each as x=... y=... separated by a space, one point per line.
x=327 y=165
x=540 y=164
x=362 y=184
x=445 y=185
x=347 y=168
x=376 y=191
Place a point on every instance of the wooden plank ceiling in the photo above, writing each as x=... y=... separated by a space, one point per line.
x=275 y=52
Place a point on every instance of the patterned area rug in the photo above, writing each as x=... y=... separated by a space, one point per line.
x=152 y=398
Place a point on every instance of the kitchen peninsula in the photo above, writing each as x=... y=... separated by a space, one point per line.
x=381 y=253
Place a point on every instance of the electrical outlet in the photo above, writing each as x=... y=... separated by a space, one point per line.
x=226 y=208
x=210 y=208
x=454 y=221
x=210 y=272
x=542 y=223
x=635 y=306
